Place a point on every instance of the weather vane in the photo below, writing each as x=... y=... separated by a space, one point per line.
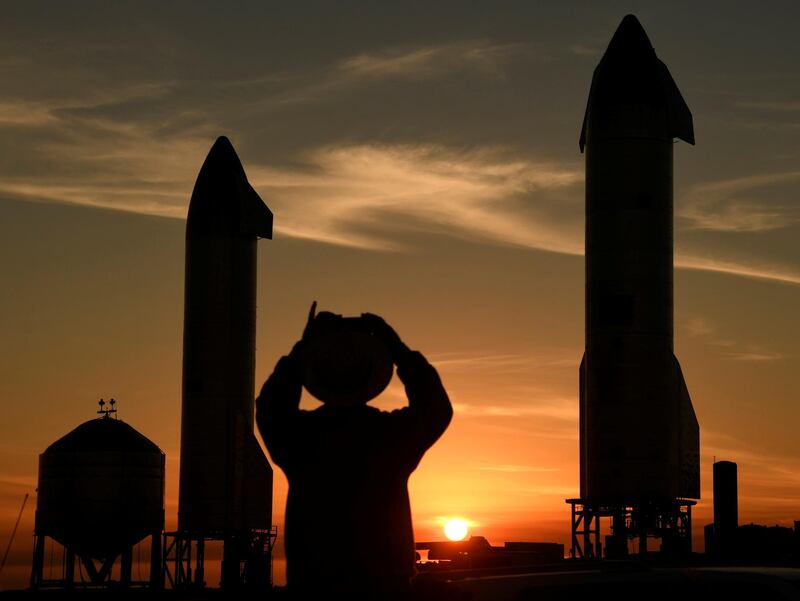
x=106 y=413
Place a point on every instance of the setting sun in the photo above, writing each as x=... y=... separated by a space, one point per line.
x=456 y=529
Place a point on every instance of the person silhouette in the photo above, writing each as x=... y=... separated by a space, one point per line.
x=348 y=527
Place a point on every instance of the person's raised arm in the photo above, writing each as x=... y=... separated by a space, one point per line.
x=278 y=404
x=428 y=403
x=429 y=410
x=277 y=409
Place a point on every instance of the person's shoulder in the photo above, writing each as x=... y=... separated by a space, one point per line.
x=332 y=412
x=317 y=412
x=370 y=413
x=386 y=421
x=306 y=414
x=413 y=362
x=394 y=414
x=414 y=357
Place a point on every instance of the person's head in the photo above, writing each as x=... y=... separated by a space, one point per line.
x=343 y=363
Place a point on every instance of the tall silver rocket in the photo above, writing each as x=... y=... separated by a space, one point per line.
x=639 y=437
x=225 y=479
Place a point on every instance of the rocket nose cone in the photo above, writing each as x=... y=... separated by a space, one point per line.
x=631 y=74
x=630 y=38
x=216 y=198
x=223 y=201
x=222 y=160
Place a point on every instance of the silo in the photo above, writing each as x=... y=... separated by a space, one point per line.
x=101 y=491
x=726 y=506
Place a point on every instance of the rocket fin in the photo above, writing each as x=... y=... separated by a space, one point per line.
x=689 y=439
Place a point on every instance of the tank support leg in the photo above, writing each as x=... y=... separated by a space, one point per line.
x=38 y=561
x=125 y=565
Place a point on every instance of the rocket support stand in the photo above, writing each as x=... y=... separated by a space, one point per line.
x=246 y=562
x=670 y=520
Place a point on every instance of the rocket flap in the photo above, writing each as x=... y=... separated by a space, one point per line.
x=688 y=440
x=257 y=483
x=256 y=216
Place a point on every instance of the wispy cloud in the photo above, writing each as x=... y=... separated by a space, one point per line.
x=24 y=114
x=104 y=163
x=753 y=356
x=430 y=61
x=766 y=471
x=15 y=481
x=788 y=106
x=480 y=58
x=560 y=409
x=515 y=469
x=367 y=195
x=495 y=363
x=739 y=205
x=337 y=196
x=697 y=326
x=468 y=193
x=363 y=196
x=702 y=328
x=761 y=270
x=480 y=193
x=562 y=492
x=584 y=50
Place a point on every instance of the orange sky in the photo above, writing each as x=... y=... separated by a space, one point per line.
x=421 y=170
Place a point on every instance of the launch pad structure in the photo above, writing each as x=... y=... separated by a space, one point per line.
x=246 y=561
x=669 y=520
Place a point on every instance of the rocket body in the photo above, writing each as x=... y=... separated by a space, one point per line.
x=639 y=437
x=225 y=479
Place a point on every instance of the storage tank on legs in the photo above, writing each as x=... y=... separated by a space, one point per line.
x=101 y=491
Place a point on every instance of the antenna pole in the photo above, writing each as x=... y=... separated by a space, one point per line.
x=107 y=413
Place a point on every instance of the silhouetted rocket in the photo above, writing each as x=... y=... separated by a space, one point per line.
x=225 y=479
x=639 y=437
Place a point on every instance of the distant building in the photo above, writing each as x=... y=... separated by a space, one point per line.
x=478 y=553
x=727 y=541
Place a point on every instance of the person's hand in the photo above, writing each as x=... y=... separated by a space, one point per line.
x=385 y=333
